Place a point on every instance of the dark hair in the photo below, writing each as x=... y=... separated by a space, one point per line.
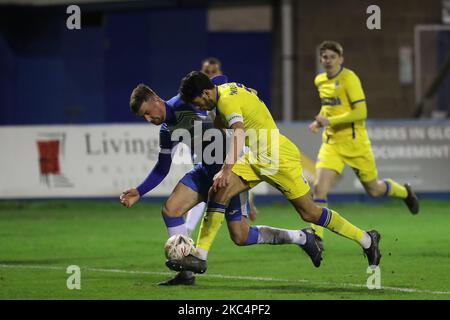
x=212 y=60
x=331 y=45
x=193 y=84
x=139 y=95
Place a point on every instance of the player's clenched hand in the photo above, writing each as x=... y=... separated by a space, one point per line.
x=221 y=179
x=129 y=197
x=323 y=121
x=314 y=127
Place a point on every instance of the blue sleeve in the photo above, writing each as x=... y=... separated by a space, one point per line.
x=220 y=79
x=165 y=140
x=162 y=166
x=158 y=173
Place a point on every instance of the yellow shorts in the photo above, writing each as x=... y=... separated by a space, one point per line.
x=283 y=173
x=356 y=154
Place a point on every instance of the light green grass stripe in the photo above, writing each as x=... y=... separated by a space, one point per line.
x=220 y=276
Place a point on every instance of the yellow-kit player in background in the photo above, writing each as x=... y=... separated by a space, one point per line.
x=344 y=138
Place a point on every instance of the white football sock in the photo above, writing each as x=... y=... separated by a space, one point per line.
x=181 y=229
x=271 y=235
x=366 y=241
x=201 y=253
x=193 y=217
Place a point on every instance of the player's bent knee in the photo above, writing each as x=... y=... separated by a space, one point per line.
x=238 y=237
x=169 y=210
x=219 y=196
x=239 y=240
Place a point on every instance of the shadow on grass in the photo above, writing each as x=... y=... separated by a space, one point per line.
x=289 y=289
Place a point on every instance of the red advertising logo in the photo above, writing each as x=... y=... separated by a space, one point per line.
x=49 y=157
x=50 y=151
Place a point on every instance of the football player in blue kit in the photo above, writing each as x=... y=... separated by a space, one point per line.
x=192 y=189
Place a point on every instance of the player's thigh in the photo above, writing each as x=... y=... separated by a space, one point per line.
x=288 y=178
x=199 y=179
x=181 y=200
x=246 y=171
x=329 y=158
x=235 y=186
x=358 y=155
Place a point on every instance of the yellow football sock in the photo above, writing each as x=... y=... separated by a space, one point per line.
x=209 y=227
x=395 y=190
x=319 y=229
x=334 y=222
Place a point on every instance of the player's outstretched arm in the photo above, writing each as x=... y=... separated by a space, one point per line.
x=359 y=112
x=153 y=179
x=129 y=197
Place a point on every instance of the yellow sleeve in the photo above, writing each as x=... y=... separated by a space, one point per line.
x=354 y=90
x=316 y=80
x=356 y=114
x=322 y=112
x=230 y=109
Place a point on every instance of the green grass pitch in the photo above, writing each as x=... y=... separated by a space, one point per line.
x=120 y=253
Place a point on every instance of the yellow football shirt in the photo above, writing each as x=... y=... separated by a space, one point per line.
x=237 y=103
x=272 y=157
x=339 y=95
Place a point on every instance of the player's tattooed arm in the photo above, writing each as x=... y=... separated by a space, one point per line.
x=222 y=178
x=218 y=123
x=236 y=146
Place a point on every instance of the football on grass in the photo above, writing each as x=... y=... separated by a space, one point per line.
x=178 y=246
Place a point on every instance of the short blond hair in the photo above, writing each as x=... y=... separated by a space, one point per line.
x=331 y=45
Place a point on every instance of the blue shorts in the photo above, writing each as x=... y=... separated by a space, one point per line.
x=200 y=179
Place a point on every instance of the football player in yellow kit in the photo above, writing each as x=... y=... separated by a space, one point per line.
x=272 y=158
x=345 y=140
x=212 y=67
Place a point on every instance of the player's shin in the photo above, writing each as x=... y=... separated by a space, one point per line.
x=319 y=229
x=193 y=217
x=333 y=221
x=211 y=223
x=269 y=235
x=393 y=189
x=175 y=225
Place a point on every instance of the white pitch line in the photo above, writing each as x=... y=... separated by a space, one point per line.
x=221 y=276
